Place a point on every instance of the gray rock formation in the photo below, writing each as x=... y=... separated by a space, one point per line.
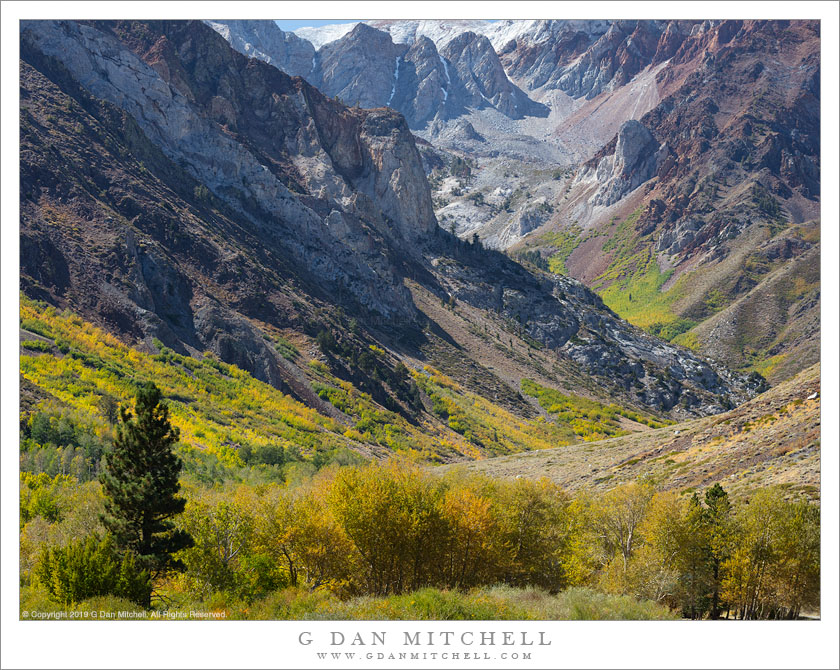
x=538 y=55
x=636 y=159
x=365 y=67
x=676 y=239
x=364 y=164
x=362 y=68
x=569 y=318
x=457 y=131
x=602 y=67
x=426 y=87
x=483 y=79
x=264 y=40
x=531 y=217
x=587 y=58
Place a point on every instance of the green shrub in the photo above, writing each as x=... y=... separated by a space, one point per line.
x=88 y=568
x=40 y=496
x=286 y=349
x=587 y=605
x=431 y=604
x=40 y=502
x=36 y=327
x=291 y=603
x=36 y=345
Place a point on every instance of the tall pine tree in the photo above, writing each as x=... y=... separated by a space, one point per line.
x=141 y=487
x=717 y=516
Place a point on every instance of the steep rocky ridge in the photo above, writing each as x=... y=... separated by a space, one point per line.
x=208 y=199
x=561 y=314
x=362 y=68
x=637 y=158
x=583 y=58
x=257 y=140
x=731 y=149
x=187 y=266
x=367 y=67
x=776 y=325
x=264 y=40
x=587 y=58
x=483 y=78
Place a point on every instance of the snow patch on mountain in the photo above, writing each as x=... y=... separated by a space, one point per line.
x=538 y=31
x=501 y=32
x=321 y=35
x=442 y=31
x=396 y=78
x=439 y=31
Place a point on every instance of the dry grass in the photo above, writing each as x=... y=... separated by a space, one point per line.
x=772 y=440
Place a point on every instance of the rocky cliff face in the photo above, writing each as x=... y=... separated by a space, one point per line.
x=637 y=157
x=588 y=58
x=237 y=122
x=368 y=68
x=534 y=55
x=484 y=80
x=320 y=186
x=570 y=319
x=425 y=90
x=719 y=169
x=362 y=68
x=612 y=61
x=265 y=41
x=173 y=188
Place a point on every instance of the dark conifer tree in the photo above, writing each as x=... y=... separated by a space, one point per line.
x=717 y=515
x=140 y=482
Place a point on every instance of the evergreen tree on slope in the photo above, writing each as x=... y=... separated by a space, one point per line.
x=141 y=487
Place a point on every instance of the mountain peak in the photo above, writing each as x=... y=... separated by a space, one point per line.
x=265 y=41
x=397 y=64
